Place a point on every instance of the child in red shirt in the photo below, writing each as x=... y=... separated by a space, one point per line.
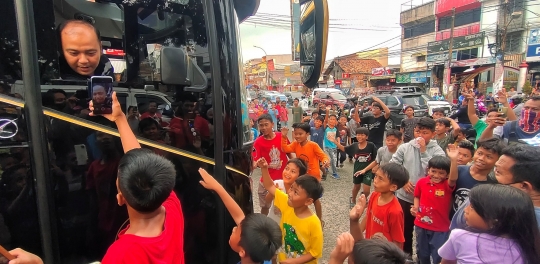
x=384 y=217
x=432 y=201
x=145 y=186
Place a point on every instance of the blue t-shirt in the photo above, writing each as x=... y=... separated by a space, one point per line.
x=317 y=136
x=519 y=133
x=464 y=184
x=330 y=133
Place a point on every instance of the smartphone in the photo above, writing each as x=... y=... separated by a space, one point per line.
x=100 y=91
x=503 y=111
x=81 y=154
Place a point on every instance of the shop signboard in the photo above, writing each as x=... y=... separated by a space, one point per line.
x=462 y=42
x=474 y=62
x=403 y=78
x=533 y=50
x=441 y=57
x=418 y=77
x=383 y=71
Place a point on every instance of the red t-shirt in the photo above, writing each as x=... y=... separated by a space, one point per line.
x=283 y=115
x=434 y=207
x=271 y=151
x=386 y=219
x=180 y=131
x=168 y=247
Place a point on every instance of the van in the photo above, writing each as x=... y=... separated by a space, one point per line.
x=323 y=90
x=126 y=96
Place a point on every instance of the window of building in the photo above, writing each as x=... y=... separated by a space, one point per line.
x=421 y=58
x=513 y=42
x=420 y=29
x=467 y=54
x=463 y=18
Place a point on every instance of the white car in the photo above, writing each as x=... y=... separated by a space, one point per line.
x=439 y=104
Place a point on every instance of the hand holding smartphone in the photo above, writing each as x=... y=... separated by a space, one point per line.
x=100 y=90
x=503 y=110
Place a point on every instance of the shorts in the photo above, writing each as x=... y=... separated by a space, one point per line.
x=366 y=179
x=262 y=196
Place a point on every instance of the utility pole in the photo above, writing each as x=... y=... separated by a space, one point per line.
x=448 y=69
x=498 y=80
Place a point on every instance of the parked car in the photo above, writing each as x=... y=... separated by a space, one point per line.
x=330 y=99
x=289 y=97
x=397 y=101
x=272 y=97
x=408 y=89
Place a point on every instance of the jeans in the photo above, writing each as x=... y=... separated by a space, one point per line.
x=428 y=243
x=332 y=154
x=408 y=226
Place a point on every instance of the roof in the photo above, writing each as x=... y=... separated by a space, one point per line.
x=356 y=65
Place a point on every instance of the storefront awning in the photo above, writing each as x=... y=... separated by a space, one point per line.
x=386 y=77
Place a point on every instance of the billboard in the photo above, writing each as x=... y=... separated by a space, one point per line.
x=295 y=29
x=533 y=48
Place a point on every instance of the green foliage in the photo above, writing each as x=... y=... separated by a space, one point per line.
x=527 y=88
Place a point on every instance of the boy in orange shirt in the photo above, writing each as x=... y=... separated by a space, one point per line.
x=308 y=151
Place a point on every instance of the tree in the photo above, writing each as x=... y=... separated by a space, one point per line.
x=527 y=88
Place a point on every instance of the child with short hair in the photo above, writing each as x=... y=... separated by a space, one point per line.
x=408 y=123
x=256 y=238
x=415 y=156
x=438 y=113
x=145 y=186
x=367 y=251
x=316 y=134
x=330 y=147
x=384 y=154
x=343 y=132
x=364 y=152
x=384 y=214
x=443 y=133
x=301 y=230
x=432 y=202
x=466 y=152
x=308 y=151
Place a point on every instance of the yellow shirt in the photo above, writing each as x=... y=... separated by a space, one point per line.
x=300 y=235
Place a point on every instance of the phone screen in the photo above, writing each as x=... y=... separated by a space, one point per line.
x=100 y=91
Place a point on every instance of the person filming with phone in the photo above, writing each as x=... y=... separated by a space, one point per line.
x=525 y=127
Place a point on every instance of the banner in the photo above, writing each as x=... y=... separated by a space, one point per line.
x=462 y=42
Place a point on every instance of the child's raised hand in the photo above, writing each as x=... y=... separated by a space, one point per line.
x=452 y=152
x=358 y=209
x=326 y=164
x=262 y=163
x=208 y=181
x=344 y=247
x=284 y=132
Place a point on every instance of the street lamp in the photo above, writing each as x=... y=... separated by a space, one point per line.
x=266 y=56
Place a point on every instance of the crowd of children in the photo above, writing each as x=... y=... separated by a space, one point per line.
x=464 y=204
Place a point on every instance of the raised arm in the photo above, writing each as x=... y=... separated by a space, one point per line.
x=356 y=227
x=287 y=148
x=210 y=183
x=129 y=141
x=453 y=154
x=355 y=115
x=267 y=181
x=385 y=108
x=471 y=111
x=455 y=126
x=502 y=98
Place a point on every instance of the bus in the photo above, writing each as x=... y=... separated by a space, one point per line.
x=170 y=59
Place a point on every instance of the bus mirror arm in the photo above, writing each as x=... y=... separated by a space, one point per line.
x=179 y=69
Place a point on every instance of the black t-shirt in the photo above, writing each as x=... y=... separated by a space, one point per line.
x=408 y=125
x=376 y=126
x=362 y=157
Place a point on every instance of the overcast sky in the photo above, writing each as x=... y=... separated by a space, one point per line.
x=379 y=20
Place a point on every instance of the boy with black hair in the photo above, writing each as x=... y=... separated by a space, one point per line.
x=307 y=151
x=466 y=152
x=330 y=133
x=301 y=229
x=367 y=251
x=468 y=176
x=408 y=123
x=384 y=217
x=415 y=156
x=364 y=152
x=438 y=113
x=297 y=111
x=384 y=154
x=432 y=202
x=268 y=146
x=443 y=133
x=256 y=237
x=377 y=122
x=343 y=132
x=316 y=134
x=145 y=185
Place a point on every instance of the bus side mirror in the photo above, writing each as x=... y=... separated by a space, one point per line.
x=313 y=41
x=179 y=69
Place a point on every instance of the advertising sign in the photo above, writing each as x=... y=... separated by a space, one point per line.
x=295 y=29
x=533 y=50
x=381 y=71
x=441 y=57
x=403 y=78
x=418 y=77
x=463 y=42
